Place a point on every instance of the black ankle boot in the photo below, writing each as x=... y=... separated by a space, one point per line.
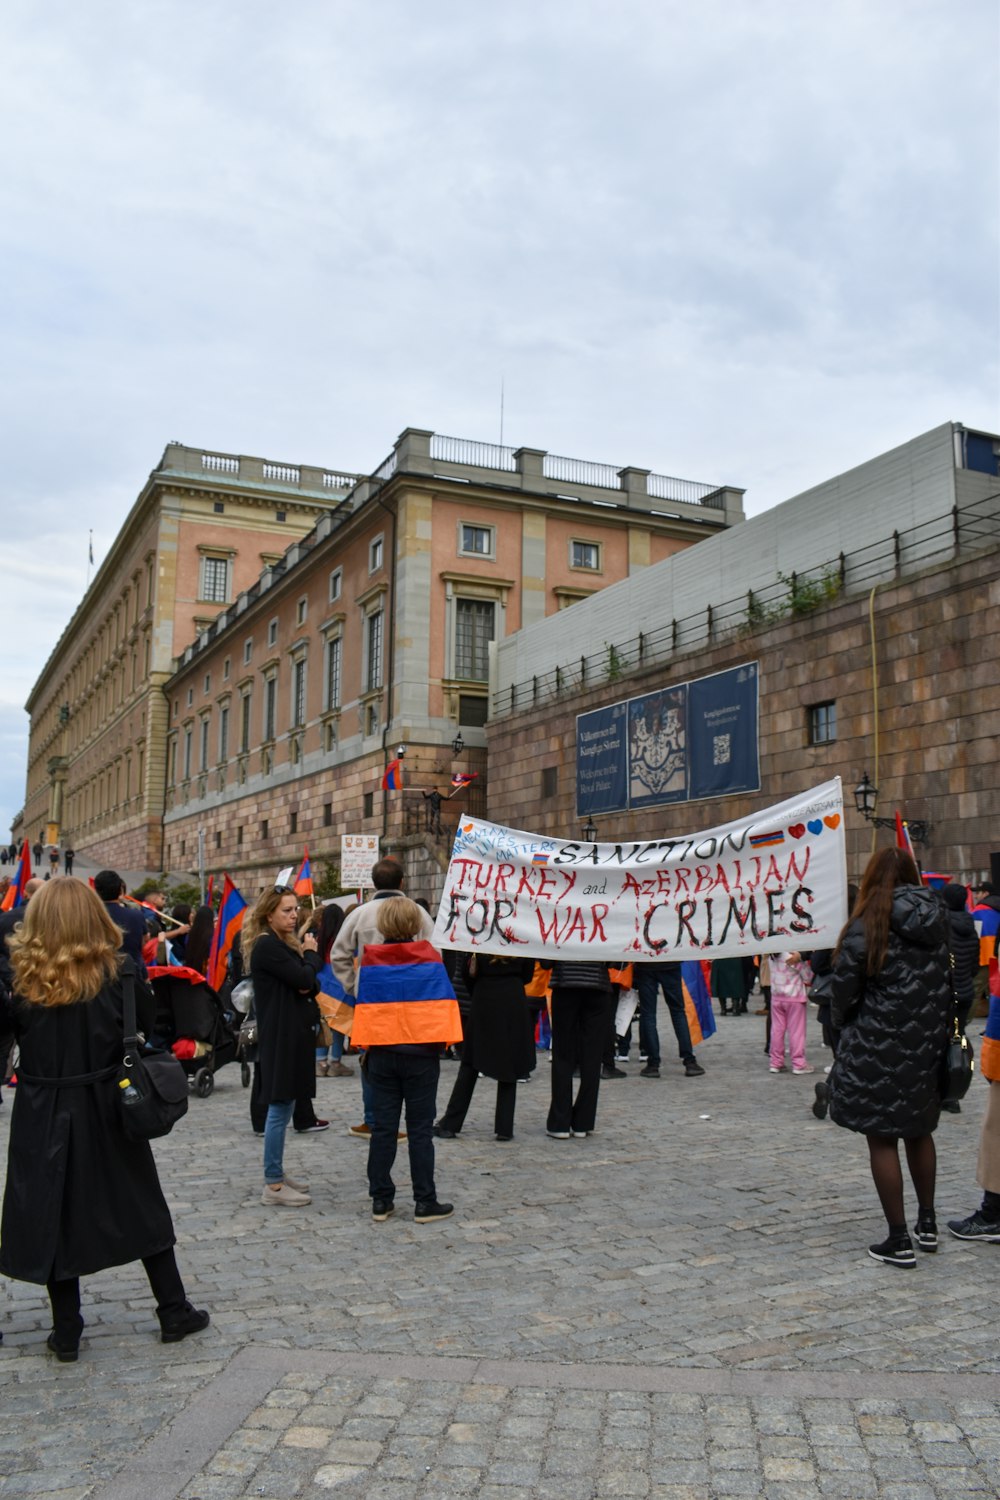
x=176 y=1325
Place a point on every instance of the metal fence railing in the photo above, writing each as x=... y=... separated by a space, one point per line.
x=947 y=536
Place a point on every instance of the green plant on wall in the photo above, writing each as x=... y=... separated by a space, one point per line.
x=807 y=594
x=616 y=665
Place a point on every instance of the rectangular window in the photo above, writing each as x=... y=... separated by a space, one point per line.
x=207 y=685
x=270 y=702
x=247 y=651
x=474 y=626
x=374 y=644
x=299 y=692
x=473 y=710
x=336 y=583
x=477 y=541
x=215 y=579
x=368 y=805
x=245 y=703
x=822 y=719
x=239 y=836
x=224 y=732
x=172 y=763
x=375 y=554
x=327 y=814
x=293 y=822
x=264 y=828
x=225 y=670
x=187 y=754
x=203 y=747
x=272 y=632
x=333 y=658
x=550 y=781
x=301 y=610
x=585 y=555
x=218 y=840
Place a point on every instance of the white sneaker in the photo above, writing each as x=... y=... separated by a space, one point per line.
x=284 y=1196
x=799 y=1071
x=299 y=1187
x=773 y=1069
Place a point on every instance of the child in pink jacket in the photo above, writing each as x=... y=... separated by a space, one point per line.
x=790 y=980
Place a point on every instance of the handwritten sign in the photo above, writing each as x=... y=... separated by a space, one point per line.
x=767 y=883
x=358 y=852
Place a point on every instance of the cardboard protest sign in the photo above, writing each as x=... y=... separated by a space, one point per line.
x=773 y=881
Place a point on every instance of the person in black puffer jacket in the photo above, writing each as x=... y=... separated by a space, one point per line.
x=891 y=1000
x=963 y=941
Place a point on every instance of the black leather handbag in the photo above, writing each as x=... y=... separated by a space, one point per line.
x=959 y=1062
x=152 y=1086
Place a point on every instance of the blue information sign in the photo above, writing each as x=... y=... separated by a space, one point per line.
x=601 y=761
x=722 y=733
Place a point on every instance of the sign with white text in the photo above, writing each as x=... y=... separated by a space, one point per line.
x=768 y=883
x=358 y=852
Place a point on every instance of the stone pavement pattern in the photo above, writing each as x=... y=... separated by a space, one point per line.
x=675 y=1307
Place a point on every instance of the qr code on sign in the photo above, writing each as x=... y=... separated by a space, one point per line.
x=720 y=750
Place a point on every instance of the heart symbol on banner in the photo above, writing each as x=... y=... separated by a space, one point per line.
x=832 y=821
x=796 y=830
x=466 y=827
x=815 y=827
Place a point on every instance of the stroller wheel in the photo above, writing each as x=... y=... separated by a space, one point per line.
x=245 y=1074
x=204 y=1082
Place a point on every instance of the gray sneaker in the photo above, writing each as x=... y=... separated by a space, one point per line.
x=975 y=1227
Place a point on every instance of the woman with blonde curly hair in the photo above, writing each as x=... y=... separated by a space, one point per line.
x=98 y=1201
x=283 y=969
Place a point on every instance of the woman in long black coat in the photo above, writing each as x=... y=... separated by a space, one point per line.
x=497 y=1039
x=891 y=1000
x=80 y=1196
x=283 y=970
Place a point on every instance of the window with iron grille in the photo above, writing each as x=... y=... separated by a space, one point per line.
x=373 y=677
x=475 y=622
x=333 y=659
x=215 y=579
x=299 y=692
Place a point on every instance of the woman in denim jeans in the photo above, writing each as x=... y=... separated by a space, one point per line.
x=283 y=969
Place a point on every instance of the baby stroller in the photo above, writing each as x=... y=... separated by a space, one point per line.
x=192 y=1021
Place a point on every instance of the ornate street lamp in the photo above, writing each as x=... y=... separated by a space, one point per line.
x=866 y=801
x=457 y=745
x=590 y=831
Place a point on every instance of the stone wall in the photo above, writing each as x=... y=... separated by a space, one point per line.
x=938 y=697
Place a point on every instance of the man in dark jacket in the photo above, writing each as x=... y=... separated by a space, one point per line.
x=111 y=887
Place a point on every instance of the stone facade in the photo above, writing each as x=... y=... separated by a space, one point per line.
x=199 y=532
x=937 y=653
x=373 y=632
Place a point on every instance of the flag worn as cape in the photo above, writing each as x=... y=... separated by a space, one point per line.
x=14 y=895
x=404 y=997
x=232 y=909
x=697 y=1001
x=392 y=781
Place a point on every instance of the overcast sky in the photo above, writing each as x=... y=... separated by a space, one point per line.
x=740 y=241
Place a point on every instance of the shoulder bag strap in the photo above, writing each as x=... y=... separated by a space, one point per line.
x=128 y=1011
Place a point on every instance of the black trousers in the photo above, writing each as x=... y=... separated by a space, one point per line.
x=580 y=1021
x=164 y=1280
x=461 y=1097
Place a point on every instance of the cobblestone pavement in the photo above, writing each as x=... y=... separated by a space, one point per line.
x=678 y=1306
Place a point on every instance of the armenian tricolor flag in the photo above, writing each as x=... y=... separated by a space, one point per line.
x=903 y=840
x=392 y=780
x=404 y=997
x=232 y=910
x=987 y=920
x=302 y=885
x=462 y=778
x=989 y=1056
x=697 y=1001
x=14 y=895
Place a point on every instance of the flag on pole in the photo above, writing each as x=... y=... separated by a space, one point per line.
x=210 y=890
x=392 y=781
x=14 y=895
x=90 y=553
x=302 y=885
x=903 y=840
x=232 y=910
x=462 y=778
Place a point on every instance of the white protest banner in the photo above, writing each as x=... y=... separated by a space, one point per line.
x=773 y=881
x=358 y=852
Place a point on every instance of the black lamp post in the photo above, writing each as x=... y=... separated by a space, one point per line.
x=866 y=801
x=590 y=831
x=457 y=745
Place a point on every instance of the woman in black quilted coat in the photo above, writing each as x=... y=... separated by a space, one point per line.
x=892 y=1001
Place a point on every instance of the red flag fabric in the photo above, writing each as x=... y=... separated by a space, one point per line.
x=392 y=781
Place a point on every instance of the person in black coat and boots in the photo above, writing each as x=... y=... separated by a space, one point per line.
x=963 y=945
x=497 y=1039
x=80 y=1195
x=283 y=969
x=891 y=1000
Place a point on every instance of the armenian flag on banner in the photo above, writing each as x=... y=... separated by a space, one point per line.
x=392 y=780
x=14 y=895
x=232 y=910
x=404 y=997
x=302 y=885
x=697 y=1002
